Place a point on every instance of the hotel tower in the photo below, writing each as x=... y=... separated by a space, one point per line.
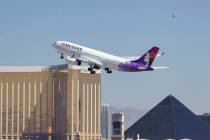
x=56 y=102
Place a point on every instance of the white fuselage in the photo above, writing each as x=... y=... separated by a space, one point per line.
x=88 y=54
x=77 y=54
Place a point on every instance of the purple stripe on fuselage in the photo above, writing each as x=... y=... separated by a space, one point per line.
x=132 y=66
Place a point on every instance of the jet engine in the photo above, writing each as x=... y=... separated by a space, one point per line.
x=71 y=60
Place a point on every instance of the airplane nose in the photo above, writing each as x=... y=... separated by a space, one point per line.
x=54 y=44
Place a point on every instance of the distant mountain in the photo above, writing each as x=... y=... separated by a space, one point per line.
x=132 y=114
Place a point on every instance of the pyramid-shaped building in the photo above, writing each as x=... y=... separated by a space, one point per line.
x=169 y=119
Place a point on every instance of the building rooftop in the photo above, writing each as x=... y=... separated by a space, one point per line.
x=43 y=68
x=22 y=68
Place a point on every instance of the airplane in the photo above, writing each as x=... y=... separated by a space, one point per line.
x=77 y=54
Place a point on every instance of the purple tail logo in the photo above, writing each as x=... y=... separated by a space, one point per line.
x=148 y=57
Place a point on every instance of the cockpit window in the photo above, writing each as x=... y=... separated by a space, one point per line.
x=55 y=42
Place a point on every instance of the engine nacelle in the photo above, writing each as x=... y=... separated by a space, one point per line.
x=71 y=60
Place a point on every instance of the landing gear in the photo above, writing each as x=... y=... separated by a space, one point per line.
x=78 y=62
x=91 y=70
x=108 y=70
x=62 y=57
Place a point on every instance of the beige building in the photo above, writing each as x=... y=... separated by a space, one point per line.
x=58 y=102
x=118 y=126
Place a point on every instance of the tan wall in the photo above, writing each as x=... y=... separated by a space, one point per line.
x=59 y=88
x=64 y=103
x=83 y=106
x=25 y=103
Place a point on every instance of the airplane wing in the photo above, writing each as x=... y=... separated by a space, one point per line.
x=91 y=61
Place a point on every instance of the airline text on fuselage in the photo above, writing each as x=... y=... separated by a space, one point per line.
x=76 y=48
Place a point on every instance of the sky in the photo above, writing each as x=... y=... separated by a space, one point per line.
x=124 y=28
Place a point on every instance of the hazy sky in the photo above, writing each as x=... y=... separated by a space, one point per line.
x=27 y=29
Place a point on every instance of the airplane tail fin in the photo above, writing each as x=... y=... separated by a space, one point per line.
x=148 y=57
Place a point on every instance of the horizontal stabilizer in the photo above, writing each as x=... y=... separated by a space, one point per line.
x=158 y=68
